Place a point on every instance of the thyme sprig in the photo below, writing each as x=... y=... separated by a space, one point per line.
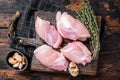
x=86 y=16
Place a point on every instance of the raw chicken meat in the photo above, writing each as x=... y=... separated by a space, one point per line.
x=77 y=52
x=51 y=58
x=70 y=27
x=48 y=33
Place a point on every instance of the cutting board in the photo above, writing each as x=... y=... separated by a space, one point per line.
x=88 y=69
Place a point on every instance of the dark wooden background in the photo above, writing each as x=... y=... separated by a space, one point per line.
x=109 y=57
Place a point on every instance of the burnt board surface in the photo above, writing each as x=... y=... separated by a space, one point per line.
x=89 y=69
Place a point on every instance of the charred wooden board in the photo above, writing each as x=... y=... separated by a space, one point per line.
x=89 y=69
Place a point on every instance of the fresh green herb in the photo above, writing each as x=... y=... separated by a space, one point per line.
x=86 y=16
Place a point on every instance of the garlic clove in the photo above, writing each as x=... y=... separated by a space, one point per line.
x=74 y=74
x=23 y=61
x=73 y=69
x=20 y=66
x=72 y=64
x=16 y=53
x=16 y=65
x=12 y=61
x=76 y=69
x=18 y=57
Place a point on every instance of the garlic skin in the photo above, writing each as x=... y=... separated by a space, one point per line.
x=12 y=61
x=20 y=66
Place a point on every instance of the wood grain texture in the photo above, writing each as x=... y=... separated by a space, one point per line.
x=4 y=19
x=89 y=69
x=112 y=22
x=3 y=33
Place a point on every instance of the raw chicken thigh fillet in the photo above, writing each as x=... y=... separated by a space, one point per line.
x=71 y=28
x=51 y=58
x=77 y=52
x=48 y=33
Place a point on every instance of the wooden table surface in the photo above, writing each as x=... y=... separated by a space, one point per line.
x=108 y=63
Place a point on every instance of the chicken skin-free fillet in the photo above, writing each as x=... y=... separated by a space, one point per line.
x=48 y=33
x=71 y=28
x=77 y=52
x=51 y=58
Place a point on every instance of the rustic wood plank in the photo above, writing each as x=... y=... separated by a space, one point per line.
x=12 y=75
x=75 y=5
x=113 y=22
x=114 y=29
x=4 y=40
x=4 y=49
x=4 y=19
x=10 y=6
x=2 y=45
x=112 y=41
x=2 y=2
x=3 y=33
